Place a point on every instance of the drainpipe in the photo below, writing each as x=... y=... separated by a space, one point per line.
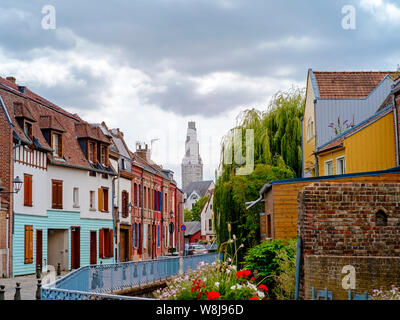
x=396 y=129
x=142 y=235
x=302 y=146
x=12 y=211
x=298 y=257
x=112 y=210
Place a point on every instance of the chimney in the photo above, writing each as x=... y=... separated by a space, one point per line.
x=12 y=79
x=144 y=153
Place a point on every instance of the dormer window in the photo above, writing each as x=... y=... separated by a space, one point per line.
x=91 y=152
x=56 y=140
x=103 y=151
x=28 y=130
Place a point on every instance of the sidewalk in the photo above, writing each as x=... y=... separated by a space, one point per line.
x=28 y=286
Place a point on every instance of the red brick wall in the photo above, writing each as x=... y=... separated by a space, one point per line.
x=5 y=175
x=337 y=226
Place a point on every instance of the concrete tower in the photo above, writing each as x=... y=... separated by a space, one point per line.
x=192 y=166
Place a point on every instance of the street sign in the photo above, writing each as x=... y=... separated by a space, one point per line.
x=183 y=228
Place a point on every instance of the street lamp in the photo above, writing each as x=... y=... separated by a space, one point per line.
x=17 y=183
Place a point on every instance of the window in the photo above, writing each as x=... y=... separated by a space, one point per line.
x=103 y=199
x=57 y=194
x=329 y=167
x=91 y=152
x=310 y=129
x=340 y=165
x=76 y=197
x=106 y=242
x=28 y=244
x=57 y=144
x=123 y=166
x=209 y=224
x=27 y=190
x=125 y=204
x=28 y=130
x=103 y=155
x=92 y=200
x=269 y=226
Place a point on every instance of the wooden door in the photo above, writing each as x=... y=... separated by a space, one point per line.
x=39 y=249
x=93 y=247
x=122 y=244
x=75 y=247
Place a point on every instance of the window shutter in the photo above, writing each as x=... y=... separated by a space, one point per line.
x=53 y=194
x=100 y=199
x=101 y=243
x=60 y=195
x=28 y=244
x=111 y=244
x=27 y=190
x=105 y=196
x=30 y=190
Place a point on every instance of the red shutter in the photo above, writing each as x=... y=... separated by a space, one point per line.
x=53 y=194
x=60 y=195
x=111 y=246
x=101 y=243
x=27 y=190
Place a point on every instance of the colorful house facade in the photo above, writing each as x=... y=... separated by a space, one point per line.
x=62 y=215
x=335 y=102
x=368 y=146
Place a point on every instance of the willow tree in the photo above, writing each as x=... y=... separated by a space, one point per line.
x=277 y=155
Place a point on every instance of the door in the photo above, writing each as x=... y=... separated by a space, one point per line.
x=93 y=247
x=123 y=244
x=39 y=250
x=75 y=247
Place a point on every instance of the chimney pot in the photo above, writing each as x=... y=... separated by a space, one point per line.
x=12 y=79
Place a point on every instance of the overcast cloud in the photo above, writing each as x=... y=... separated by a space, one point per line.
x=150 y=66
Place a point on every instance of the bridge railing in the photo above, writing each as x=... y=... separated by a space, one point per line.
x=99 y=281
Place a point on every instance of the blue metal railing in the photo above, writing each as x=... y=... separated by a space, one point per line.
x=100 y=281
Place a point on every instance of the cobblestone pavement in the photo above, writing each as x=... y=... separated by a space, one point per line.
x=28 y=286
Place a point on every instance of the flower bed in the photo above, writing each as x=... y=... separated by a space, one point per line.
x=393 y=294
x=216 y=281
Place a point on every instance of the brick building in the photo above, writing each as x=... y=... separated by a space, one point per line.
x=350 y=237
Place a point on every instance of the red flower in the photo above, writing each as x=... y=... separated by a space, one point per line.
x=254 y=298
x=243 y=273
x=263 y=287
x=252 y=279
x=213 y=295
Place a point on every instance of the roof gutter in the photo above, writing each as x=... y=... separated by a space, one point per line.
x=260 y=199
x=80 y=168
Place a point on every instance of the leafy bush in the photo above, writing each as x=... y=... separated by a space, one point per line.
x=216 y=281
x=275 y=262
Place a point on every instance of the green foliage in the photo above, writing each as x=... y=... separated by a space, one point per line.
x=187 y=215
x=275 y=261
x=277 y=155
x=286 y=277
x=198 y=207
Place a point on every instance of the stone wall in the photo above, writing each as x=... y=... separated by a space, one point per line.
x=349 y=224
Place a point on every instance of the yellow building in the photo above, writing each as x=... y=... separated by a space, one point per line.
x=342 y=98
x=369 y=146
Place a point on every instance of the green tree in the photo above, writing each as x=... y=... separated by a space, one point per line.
x=277 y=155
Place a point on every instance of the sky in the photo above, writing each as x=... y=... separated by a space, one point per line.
x=150 y=66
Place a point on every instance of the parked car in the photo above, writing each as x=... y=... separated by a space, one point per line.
x=196 y=249
x=212 y=247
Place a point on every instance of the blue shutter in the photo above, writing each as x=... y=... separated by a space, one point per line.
x=158 y=236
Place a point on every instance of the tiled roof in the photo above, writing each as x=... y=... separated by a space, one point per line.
x=349 y=84
x=201 y=187
x=338 y=141
x=48 y=116
x=86 y=130
x=21 y=109
x=192 y=227
x=50 y=122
